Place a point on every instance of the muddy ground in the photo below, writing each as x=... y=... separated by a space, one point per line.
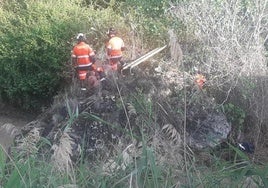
x=14 y=116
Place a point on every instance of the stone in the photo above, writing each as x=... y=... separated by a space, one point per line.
x=209 y=132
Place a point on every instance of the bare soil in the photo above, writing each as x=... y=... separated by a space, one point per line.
x=14 y=116
x=10 y=115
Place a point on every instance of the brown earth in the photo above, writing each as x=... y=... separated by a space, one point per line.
x=14 y=116
x=11 y=121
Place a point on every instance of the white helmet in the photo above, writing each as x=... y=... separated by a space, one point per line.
x=81 y=36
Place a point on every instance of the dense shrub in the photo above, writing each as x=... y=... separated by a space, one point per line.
x=37 y=37
x=35 y=46
x=148 y=21
x=33 y=49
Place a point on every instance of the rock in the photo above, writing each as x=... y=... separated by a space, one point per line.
x=209 y=132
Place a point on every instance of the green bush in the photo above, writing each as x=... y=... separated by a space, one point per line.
x=35 y=46
x=148 y=21
x=33 y=50
x=37 y=37
x=235 y=114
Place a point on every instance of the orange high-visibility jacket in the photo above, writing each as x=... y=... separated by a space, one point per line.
x=82 y=53
x=114 y=46
x=200 y=80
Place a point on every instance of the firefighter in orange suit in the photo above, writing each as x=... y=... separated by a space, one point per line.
x=83 y=58
x=114 y=48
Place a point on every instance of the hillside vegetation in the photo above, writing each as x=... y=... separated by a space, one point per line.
x=225 y=40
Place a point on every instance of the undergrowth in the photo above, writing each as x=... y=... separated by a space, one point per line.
x=153 y=160
x=132 y=167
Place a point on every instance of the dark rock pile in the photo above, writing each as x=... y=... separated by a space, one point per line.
x=96 y=121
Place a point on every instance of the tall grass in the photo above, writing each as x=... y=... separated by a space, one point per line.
x=133 y=167
x=156 y=160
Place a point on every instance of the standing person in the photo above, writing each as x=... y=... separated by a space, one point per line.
x=83 y=58
x=114 y=48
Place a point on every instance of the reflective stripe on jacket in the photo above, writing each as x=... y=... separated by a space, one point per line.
x=84 y=65
x=82 y=75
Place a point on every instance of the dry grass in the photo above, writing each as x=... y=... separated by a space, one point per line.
x=233 y=55
x=7 y=134
x=9 y=129
x=233 y=37
x=172 y=133
x=175 y=49
x=120 y=162
x=131 y=109
x=61 y=158
x=27 y=145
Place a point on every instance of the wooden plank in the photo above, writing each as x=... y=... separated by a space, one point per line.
x=147 y=57
x=143 y=58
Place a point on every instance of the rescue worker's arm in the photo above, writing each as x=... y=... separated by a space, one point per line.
x=92 y=59
x=92 y=56
x=123 y=48
x=108 y=48
x=73 y=59
x=73 y=62
x=108 y=51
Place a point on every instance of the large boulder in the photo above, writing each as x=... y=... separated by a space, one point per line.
x=208 y=132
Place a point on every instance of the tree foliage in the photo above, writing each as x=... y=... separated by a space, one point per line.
x=34 y=47
x=37 y=37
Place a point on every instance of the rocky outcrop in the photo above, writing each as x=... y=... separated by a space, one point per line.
x=208 y=132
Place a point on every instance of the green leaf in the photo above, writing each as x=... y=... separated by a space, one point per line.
x=2 y=162
x=14 y=180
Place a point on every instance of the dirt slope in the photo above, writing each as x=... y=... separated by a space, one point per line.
x=14 y=116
